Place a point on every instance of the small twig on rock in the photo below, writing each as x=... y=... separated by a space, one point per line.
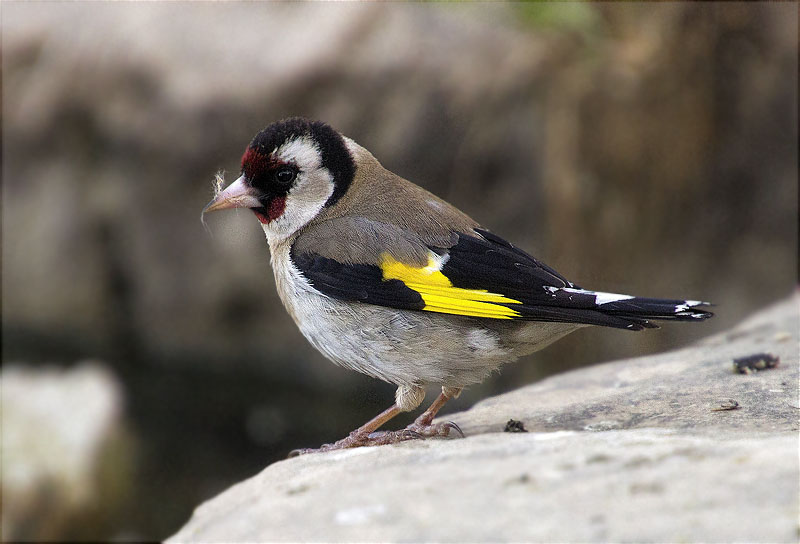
x=724 y=405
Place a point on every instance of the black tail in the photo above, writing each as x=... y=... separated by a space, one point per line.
x=575 y=305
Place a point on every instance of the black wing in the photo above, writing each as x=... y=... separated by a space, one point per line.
x=484 y=277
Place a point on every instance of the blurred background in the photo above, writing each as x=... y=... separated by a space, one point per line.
x=148 y=364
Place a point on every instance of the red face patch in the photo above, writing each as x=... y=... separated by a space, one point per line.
x=259 y=171
x=275 y=209
x=255 y=163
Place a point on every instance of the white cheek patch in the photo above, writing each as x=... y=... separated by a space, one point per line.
x=305 y=200
x=302 y=152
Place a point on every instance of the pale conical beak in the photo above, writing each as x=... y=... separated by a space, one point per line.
x=235 y=195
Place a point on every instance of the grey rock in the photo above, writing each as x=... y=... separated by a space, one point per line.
x=648 y=449
x=66 y=454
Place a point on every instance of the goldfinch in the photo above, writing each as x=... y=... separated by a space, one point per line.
x=385 y=278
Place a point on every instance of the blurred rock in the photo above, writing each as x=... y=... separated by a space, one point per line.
x=66 y=457
x=634 y=450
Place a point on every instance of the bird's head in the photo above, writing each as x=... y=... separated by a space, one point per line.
x=291 y=171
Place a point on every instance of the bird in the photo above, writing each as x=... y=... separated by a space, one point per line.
x=387 y=279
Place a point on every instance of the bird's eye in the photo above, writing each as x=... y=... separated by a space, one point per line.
x=285 y=176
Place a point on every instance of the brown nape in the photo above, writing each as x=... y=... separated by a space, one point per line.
x=381 y=213
x=381 y=195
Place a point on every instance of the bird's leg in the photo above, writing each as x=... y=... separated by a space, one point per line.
x=406 y=399
x=424 y=426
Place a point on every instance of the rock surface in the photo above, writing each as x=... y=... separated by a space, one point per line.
x=645 y=449
x=66 y=453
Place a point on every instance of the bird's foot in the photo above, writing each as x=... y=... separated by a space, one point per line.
x=357 y=440
x=417 y=430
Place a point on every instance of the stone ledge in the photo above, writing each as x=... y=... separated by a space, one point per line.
x=636 y=450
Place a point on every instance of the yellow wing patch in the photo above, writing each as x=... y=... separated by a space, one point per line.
x=441 y=296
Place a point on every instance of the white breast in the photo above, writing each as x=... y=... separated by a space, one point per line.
x=338 y=330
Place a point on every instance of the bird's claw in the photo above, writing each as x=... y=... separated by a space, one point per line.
x=431 y=430
x=453 y=425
